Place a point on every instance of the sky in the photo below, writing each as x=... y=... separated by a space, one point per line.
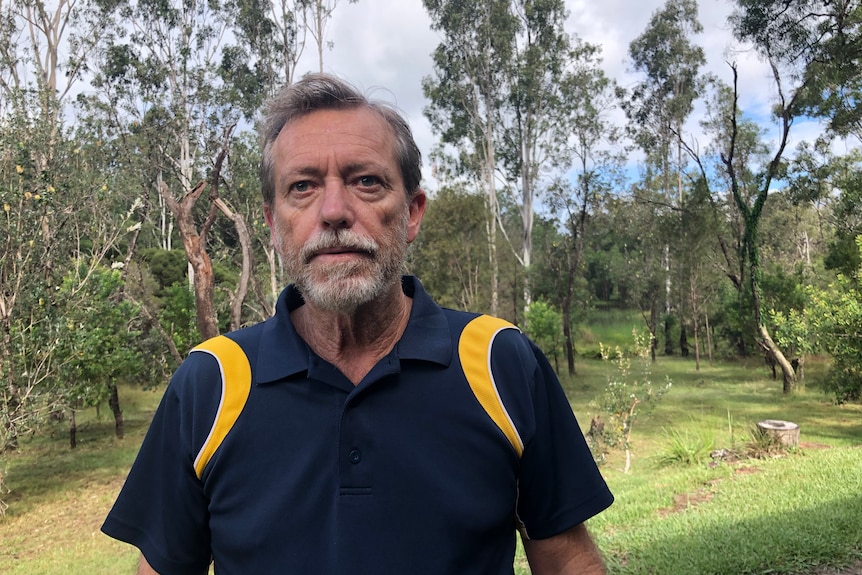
x=384 y=47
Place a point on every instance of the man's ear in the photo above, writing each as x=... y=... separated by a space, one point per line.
x=417 y=206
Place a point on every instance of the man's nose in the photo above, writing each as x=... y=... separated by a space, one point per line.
x=336 y=210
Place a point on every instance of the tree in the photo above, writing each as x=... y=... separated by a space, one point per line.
x=661 y=103
x=43 y=52
x=96 y=340
x=819 y=44
x=590 y=96
x=802 y=42
x=320 y=12
x=466 y=94
x=545 y=327
x=627 y=396
x=835 y=316
x=449 y=255
x=159 y=86
x=546 y=84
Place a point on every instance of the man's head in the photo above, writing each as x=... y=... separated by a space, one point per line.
x=339 y=205
x=324 y=92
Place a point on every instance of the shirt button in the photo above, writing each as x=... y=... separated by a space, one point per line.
x=355 y=456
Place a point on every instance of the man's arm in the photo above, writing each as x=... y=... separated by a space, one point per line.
x=144 y=568
x=568 y=553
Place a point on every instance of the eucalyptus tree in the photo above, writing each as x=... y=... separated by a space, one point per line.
x=595 y=168
x=660 y=104
x=466 y=93
x=272 y=37
x=505 y=92
x=44 y=52
x=544 y=94
x=160 y=83
x=319 y=14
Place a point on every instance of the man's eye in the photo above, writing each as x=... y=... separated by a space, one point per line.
x=300 y=187
x=368 y=181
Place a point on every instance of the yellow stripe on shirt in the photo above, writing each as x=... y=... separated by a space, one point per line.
x=236 y=385
x=474 y=350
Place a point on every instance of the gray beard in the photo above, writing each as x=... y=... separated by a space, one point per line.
x=348 y=285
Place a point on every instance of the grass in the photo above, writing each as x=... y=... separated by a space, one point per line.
x=788 y=514
x=58 y=497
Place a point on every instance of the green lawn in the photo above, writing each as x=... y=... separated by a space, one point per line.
x=784 y=514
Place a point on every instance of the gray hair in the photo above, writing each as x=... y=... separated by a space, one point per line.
x=325 y=92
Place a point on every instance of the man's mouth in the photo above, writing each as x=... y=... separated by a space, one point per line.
x=335 y=252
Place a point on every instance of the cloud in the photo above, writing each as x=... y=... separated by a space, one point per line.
x=384 y=47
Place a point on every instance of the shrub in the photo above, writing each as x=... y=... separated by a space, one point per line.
x=685 y=448
x=627 y=396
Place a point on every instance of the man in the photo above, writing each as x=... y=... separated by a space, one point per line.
x=362 y=429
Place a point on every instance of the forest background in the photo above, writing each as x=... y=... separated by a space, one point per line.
x=132 y=225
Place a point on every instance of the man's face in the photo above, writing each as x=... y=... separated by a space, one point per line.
x=341 y=219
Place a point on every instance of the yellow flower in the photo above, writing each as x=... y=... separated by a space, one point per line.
x=37 y=197
x=104 y=187
x=19 y=168
x=50 y=188
x=28 y=195
x=6 y=208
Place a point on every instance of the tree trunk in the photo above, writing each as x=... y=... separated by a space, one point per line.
x=708 y=337
x=683 y=339
x=198 y=258
x=73 y=430
x=668 y=342
x=114 y=403
x=788 y=375
x=238 y=299
x=784 y=432
x=567 y=335
x=696 y=345
x=653 y=324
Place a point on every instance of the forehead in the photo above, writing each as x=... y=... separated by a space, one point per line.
x=354 y=135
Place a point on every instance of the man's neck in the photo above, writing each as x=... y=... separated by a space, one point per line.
x=354 y=343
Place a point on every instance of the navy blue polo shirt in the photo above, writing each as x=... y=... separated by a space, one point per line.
x=403 y=473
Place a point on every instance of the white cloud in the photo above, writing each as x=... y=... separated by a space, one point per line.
x=385 y=46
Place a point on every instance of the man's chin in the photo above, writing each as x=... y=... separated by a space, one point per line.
x=343 y=295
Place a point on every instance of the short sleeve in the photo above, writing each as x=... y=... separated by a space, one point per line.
x=559 y=485
x=162 y=508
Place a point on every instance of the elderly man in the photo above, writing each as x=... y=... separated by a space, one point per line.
x=362 y=429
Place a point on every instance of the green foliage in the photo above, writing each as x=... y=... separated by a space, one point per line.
x=670 y=60
x=178 y=316
x=544 y=325
x=793 y=332
x=168 y=267
x=450 y=256
x=835 y=317
x=96 y=337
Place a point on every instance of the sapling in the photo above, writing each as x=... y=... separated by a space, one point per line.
x=628 y=395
